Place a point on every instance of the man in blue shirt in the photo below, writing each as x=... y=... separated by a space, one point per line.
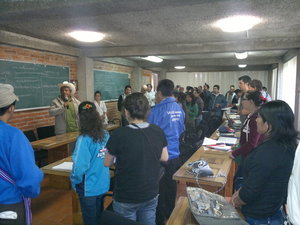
x=169 y=116
x=19 y=176
x=217 y=101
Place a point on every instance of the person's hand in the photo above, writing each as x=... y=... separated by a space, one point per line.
x=236 y=201
x=231 y=156
x=66 y=104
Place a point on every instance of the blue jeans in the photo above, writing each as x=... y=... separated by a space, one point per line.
x=276 y=219
x=91 y=208
x=140 y=212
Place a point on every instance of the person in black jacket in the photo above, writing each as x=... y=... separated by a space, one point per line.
x=268 y=167
x=127 y=91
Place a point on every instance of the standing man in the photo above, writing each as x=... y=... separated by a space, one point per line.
x=169 y=116
x=20 y=178
x=127 y=91
x=206 y=95
x=217 y=101
x=65 y=109
x=244 y=85
x=150 y=95
x=230 y=95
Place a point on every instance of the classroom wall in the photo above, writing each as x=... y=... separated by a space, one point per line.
x=32 y=119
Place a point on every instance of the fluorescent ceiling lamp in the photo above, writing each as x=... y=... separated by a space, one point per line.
x=238 y=23
x=241 y=55
x=86 y=36
x=153 y=59
x=179 y=67
x=242 y=65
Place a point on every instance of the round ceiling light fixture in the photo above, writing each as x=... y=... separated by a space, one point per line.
x=242 y=65
x=179 y=67
x=86 y=36
x=241 y=55
x=237 y=23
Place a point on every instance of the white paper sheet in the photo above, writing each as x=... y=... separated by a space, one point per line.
x=227 y=140
x=209 y=141
x=64 y=166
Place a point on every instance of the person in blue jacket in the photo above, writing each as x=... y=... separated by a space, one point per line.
x=217 y=101
x=89 y=178
x=169 y=116
x=20 y=178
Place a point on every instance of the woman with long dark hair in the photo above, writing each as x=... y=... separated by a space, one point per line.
x=89 y=178
x=267 y=168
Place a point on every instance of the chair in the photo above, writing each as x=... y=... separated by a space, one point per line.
x=40 y=155
x=44 y=132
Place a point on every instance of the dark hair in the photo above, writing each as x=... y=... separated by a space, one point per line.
x=193 y=98
x=4 y=109
x=217 y=86
x=264 y=88
x=255 y=96
x=206 y=85
x=149 y=85
x=166 y=87
x=137 y=105
x=97 y=92
x=280 y=116
x=256 y=84
x=232 y=85
x=90 y=122
x=127 y=86
x=236 y=91
x=245 y=79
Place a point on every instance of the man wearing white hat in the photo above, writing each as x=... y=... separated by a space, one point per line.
x=20 y=178
x=65 y=109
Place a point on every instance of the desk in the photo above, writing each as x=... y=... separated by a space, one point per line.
x=218 y=161
x=57 y=146
x=61 y=179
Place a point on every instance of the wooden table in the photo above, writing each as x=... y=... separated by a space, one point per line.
x=61 y=179
x=222 y=166
x=57 y=146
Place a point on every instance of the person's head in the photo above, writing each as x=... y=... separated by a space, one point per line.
x=276 y=120
x=251 y=101
x=200 y=88
x=181 y=89
x=206 y=87
x=197 y=93
x=90 y=122
x=8 y=100
x=238 y=92
x=67 y=90
x=144 y=89
x=190 y=98
x=244 y=83
x=216 y=89
x=164 y=89
x=127 y=90
x=136 y=106
x=149 y=87
x=255 y=85
x=231 y=88
x=179 y=96
x=97 y=96
x=265 y=89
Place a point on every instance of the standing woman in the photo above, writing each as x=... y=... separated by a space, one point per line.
x=89 y=178
x=138 y=149
x=191 y=108
x=268 y=167
x=101 y=107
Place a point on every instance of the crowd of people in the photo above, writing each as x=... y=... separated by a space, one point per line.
x=146 y=152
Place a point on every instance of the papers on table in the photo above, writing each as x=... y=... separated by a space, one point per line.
x=223 y=143
x=64 y=166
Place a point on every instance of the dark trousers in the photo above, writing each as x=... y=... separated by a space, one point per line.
x=19 y=209
x=167 y=192
x=91 y=208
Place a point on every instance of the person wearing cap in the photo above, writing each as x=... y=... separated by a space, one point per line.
x=20 y=178
x=65 y=109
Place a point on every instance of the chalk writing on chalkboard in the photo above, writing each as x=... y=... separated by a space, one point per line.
x=35 y=84
x=111 y=84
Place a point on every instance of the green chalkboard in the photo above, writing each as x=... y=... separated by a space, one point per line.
x=110 y=84
x=35 y=84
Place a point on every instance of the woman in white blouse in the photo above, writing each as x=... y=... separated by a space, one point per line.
x=101 y=107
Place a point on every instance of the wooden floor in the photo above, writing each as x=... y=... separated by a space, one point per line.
x=52 y=207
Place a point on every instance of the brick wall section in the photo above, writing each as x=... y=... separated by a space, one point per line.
x=32 y=119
